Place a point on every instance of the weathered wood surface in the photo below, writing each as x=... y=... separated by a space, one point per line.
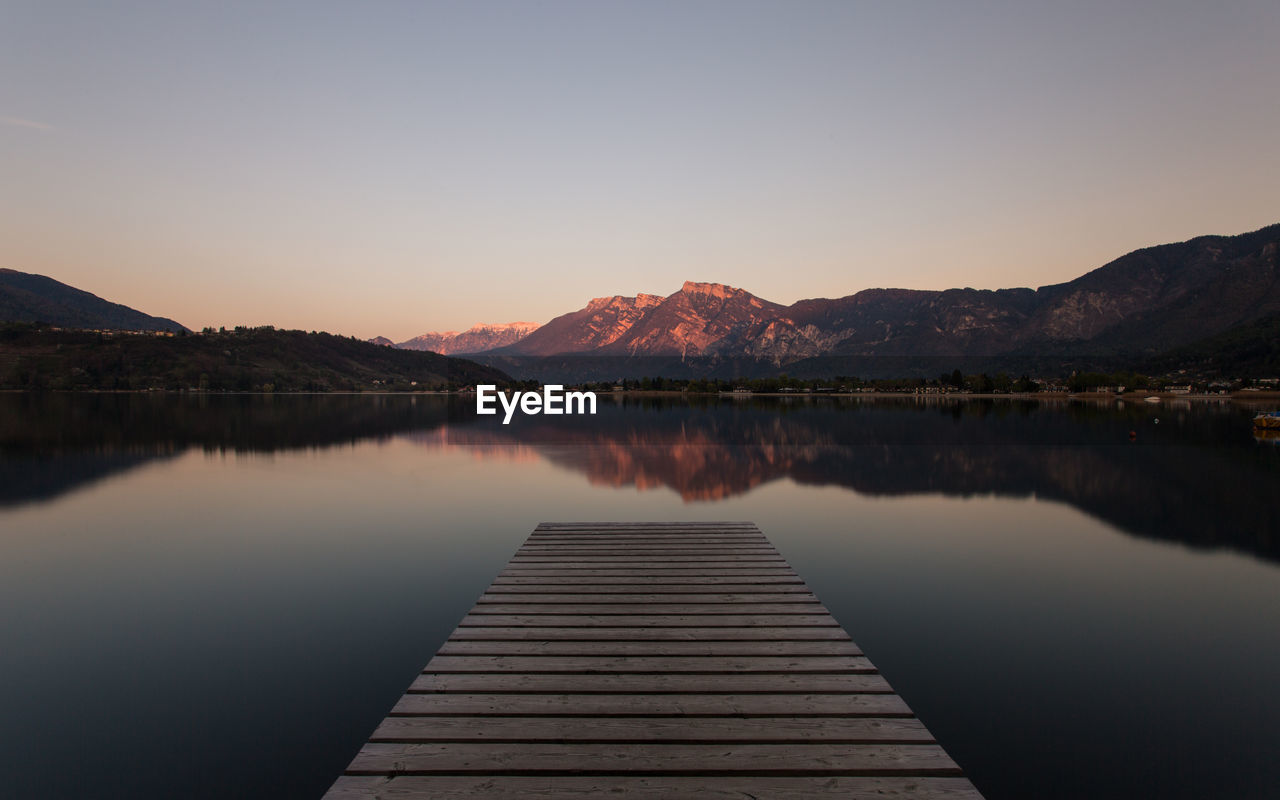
x=462 y=758
x=648 y=788
x=615 y=609
x=616 y=585
x=650 y=660
x=647 y=665
x=832 y=706
x=604 y=619
x=497 y=633
x=651 y=598
x=650 y=648
x=583 y=683
x=774 y=730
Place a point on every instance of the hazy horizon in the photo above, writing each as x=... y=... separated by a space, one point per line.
x=396 y=169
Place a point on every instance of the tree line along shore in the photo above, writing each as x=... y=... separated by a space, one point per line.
x=266 y=359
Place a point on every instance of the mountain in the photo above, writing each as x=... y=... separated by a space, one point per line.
x=700 y=319
x=1248 y=350
x=601 y=323
x=25 y=297
x=382 y=341
x=472 y=340
x=1177 y=294
x=246 y=359
x=1139 y=305
x=711 y=320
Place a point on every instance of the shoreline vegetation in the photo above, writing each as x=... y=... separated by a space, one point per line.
x=266 y=360
x=1131 y=397
x=260 y=359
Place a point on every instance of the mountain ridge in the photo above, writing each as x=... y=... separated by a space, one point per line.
x=477 y=338
x=1144 y=302
x=28 y=297
x=243 y=360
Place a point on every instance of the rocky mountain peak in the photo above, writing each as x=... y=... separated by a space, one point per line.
x=476 y=339
x=618 y=301
x=501 y=327
x=717 y=290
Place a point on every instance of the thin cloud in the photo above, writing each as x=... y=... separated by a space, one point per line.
x=19 y=122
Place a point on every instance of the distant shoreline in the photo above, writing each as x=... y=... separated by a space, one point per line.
x=1128 y=396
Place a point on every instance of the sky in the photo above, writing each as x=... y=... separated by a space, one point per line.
x=391 y=168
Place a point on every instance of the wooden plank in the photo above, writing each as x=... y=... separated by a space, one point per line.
x=685 y=759
x=668 y=665
x=672 y=542
x=749 y=620
x=631 y=554
x=641 y=536
x=650 y=572
x=593 y=541
x=676 y=542
x=653 y=536
x=622 y=683
x=651 y=634
x=718 y=523
x=690 y=582
x=652 y=730
x=706 y=533
x=624 y=560
x=622 y=524
x=662 y=598
x=605 y=542
x=527 y=586
x=646 y=543
x=647 y=539
x=647 y=549
x=649 y=705
x=673 y=566
x=676 y=566
x=441 y=787
x=649 y=608
x=648 y=533
x=631 y=648
x=743 y=533
x=605 y=530
x=708 y=530
x=660 y=554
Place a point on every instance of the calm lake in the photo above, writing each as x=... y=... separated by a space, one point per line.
x=221 y=596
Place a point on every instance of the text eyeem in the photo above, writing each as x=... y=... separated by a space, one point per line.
x=552 y=400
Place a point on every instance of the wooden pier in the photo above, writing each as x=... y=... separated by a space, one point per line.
x=650 y=660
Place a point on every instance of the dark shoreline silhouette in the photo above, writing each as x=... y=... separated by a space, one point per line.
x=1191 y=475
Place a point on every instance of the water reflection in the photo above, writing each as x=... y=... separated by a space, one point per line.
x=53 y=443
x=1192 y=473
x=336 y=552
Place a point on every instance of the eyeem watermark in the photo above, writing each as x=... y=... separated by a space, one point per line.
x=552 y=400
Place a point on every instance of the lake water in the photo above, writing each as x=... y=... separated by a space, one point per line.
x=221 y=596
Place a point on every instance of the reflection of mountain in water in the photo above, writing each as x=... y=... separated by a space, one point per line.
x=52 y=443
x=1195 y=477
x=44 y=477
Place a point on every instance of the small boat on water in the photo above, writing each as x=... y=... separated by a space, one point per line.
x=1267 y=421
x=1151 y=399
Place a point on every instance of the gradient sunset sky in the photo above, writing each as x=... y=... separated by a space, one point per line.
x=389 y=168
